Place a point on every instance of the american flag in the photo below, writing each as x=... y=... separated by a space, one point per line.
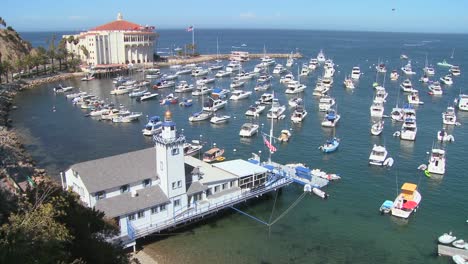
x=189 y=28
x=269 y=145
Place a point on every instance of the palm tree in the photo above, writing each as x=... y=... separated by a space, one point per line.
x=51 y=52
x=19 y=66
x=62 y=52
x=7 y=67
x=42 y=57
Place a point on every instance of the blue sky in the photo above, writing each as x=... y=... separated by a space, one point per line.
x=361 y=15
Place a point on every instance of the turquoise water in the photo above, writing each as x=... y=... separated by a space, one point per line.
x=344 y=229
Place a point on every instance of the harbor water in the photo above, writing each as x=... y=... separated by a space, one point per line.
x=346 y=228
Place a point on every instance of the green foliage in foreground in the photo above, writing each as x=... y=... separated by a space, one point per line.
x=49 y=225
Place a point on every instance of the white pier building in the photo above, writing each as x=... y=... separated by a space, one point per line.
x=153 y=189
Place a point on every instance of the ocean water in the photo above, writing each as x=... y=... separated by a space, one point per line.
x=347 y=227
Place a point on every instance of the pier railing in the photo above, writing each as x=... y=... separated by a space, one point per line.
x=202 y=209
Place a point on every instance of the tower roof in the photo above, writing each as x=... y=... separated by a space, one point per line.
x=119 y=25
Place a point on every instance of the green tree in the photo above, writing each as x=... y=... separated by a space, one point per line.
x=52 y=52
x=6 y=68
x=85 y=51
x=19 y=66
x=28 y=62
x=62 y=52
x=3 y=22
x=42 y=57
x=191 y=47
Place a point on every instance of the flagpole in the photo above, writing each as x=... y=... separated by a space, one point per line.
x=271 y=133
x=193 y=40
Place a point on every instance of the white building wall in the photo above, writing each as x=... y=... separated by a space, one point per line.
x=77 y=185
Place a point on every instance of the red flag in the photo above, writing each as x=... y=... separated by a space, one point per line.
x=189 y=28
x=269 y=145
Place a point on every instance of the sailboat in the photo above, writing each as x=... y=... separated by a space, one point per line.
x=201 y=115
x=453 y=51
x=429 y=71
x=217 y=65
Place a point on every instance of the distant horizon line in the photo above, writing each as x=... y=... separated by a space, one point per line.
x=256 y=29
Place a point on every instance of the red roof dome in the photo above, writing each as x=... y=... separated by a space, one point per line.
x=118 y=25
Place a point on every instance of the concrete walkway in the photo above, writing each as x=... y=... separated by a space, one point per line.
x=143 y=258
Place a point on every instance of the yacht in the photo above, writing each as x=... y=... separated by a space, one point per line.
x=199 y=71
x=407 y=201
x=455 y=70
x=215 y=67
x=295 y=101
x=329 y=72
x=121 y=90
x=127 y=117
x=255 y=110
x=264 y=78
x=221 y=74
x=169 y=77
x=331 y=118
x=325 y=103
x=413 y=98
x=276 y=111
x=204 y=80
x=184 y=70
x=260 y=67
x=220 y=119
x=409 y=129
x=214 y=105
x=444 y=63
x=462 y=102
x=407 y=86
x=299 y=114
x=424 y=79
x=233 y=66
x=109 y=115
x=447 y=80
x=321 y=57
x=287 y=78
x=262 y=86
x=435 y=89
x=377 y=128
x=449 y=117
x=243 y=76
x=164 y=84
x=169 y=99
x=429 y=71
x=152 y=73
x=147 y=96
x=267 y=61
x=380 y=94
x=201 y=90
x=220 y=93
x=295 y=87
x=266 y=98
x=407 y=69
x=279 y=69
x=290 y=61
x=248 y=130
x=436 y=162
x=381 y=68
x=397 y=114
x=356 y=73
x=184 y=87
x=378 y=155
x=327 y=82
x=137 y=93
x=153 y=126
x=236 y=82
x=313 y=64
x=193 y=148
x=377 y=109
x=239 y=94
x=320 y=89
x=394 y=75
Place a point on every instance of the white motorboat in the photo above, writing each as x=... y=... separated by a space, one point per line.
x=152 y=73
x=248 y=130
x=260 y=67
x=279 y=69
x=394 y=75
x=407 y=201
x=255 y=110
x=284 y=136
x=276 y=111
x=169 y=77
x=290 y=61
x=443 y=136
x=444 y=63
x=75 y=95
x=462 y=102
x=348 y=83
x=458 y=259
x=413 y=98
x=199 y=71
x=305 y=70
x=330 y=118
x=409 y=129
x=98 y=112
x=435 y=89
x=299 y=114
x=381 y=68
x=239 y=94
x=215 y=67
x=356 y=73
x=200 y=116
x=236 y=83
x=193 y=148
x=320 y=89
x=202 y=90
x=424 y=79
x=377 y=128
x=262 y=86
x=147 y=96
x=295 y=101
x=447 y=238
x=184 y=87
x=407 y=86
x=436 y=162
x=329 y=71
x=121 y=90
x=327 y=82
x=449 y=117
x=205 y=80
x=214 y=105
x=455 y=70
x=313 y=63
x=111 y=113
x=378 y=156
x=244 y=76
x=127 y=117
x=321 y=56
x=220 y=119
x=233 y=66
x=295 y=87
x=325 y=103
x=264 y=78
x=169 y=99
x=221 y=74
x=266 y=98
x=153 y=126
x=287 y=78
x=184 y=70
x=397 y=114
x=403 y=57
x=137 y=93
x=380 y=94
x=377 y=108
x=407 y=69
x=265 y=60
x=460 y=243
x=447 y=80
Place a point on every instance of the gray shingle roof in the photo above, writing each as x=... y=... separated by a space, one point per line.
x=114 y=171
x=124 y=204
x=196 y=187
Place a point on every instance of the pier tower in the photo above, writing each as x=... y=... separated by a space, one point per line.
x=170 y=163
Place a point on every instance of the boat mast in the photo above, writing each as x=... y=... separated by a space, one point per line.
x=453 y=51
x=271 y=131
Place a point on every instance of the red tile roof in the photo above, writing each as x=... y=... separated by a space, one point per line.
x=118 y=25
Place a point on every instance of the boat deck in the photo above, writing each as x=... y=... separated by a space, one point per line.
x=290 y=173
x=450 y=251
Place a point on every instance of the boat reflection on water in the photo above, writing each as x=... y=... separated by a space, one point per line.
x=407 y=148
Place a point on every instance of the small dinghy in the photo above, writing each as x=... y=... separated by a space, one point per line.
x=284 y=136
x=443 y=136
x=386 y=207
x=447 y=238
x=330 y=145
x=460 y=244
x=319 y=193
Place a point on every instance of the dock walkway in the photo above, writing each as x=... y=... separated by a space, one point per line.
x=450 y=251
x=290 y=172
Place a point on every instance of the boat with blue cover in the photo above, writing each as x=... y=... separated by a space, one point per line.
x=330 y=145
x=386 y=207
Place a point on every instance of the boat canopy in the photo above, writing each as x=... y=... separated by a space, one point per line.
x=407 y=190
x=387 y=204
x=409 y=205
x=269 y=167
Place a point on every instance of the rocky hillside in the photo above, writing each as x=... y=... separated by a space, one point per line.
x=12 y=46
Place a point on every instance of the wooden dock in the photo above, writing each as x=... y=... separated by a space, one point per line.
x=212 y=57
x=450 y=251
